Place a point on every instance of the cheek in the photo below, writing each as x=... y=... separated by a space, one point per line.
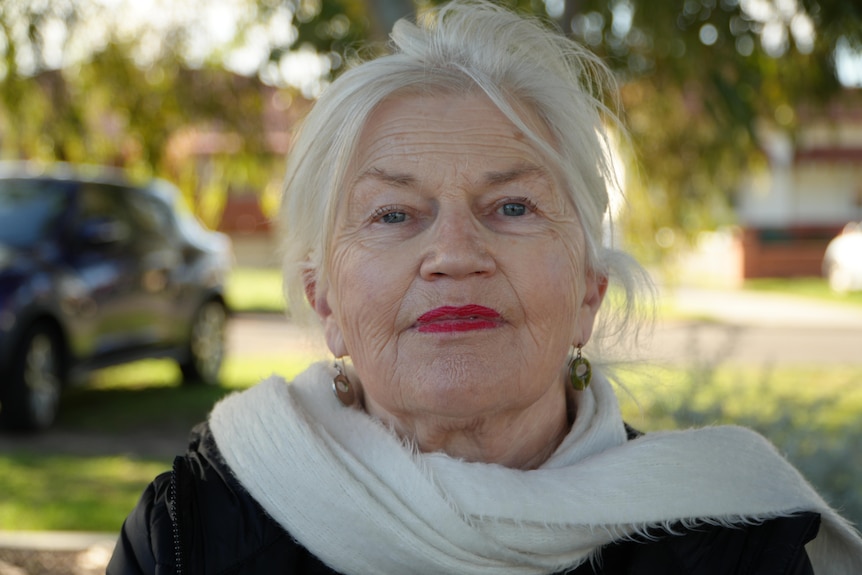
x=556 y=285
x=368 y=294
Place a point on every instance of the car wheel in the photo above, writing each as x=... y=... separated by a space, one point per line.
x=206 y=345
x=33 y=396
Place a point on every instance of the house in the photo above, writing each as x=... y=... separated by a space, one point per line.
x=242 y=211
x=811 y=190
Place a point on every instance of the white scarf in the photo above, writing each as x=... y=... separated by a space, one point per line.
x=355 y=496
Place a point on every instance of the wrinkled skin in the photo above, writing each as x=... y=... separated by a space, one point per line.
x=449 y=204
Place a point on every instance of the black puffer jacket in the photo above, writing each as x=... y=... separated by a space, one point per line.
x=198 y=520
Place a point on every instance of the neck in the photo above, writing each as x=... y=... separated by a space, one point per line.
x=519 y=439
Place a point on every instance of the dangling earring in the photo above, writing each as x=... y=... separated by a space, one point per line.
x=342 y=388
x=580 y=371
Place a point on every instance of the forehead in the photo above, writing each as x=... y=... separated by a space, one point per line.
x=412 y=129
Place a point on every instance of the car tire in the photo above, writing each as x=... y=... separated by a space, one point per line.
x=205 y=349
x=32 y=398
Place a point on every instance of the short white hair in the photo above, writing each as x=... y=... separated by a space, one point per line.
x=523 y=66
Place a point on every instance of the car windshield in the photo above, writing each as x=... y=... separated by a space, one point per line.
x=28 y=210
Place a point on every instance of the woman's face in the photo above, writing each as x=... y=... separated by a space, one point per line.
x=457 y=282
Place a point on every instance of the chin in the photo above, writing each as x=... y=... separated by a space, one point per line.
x=461 y=394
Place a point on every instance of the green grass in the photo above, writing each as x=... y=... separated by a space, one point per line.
x=809 y=287
x=255 y=290
x=64 y=492
x=658 y=397
x=73 y=492
x=148 y=394
x=813 y=414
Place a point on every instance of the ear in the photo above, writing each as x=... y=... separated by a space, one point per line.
x=319 y=301
x=596 y=286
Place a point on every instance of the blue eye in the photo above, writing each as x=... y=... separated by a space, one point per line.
x=513 y=209
x=393 y=218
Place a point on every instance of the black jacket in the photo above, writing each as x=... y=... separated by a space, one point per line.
x=197 y=519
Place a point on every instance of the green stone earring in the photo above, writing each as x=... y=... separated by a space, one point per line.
x=580 y=371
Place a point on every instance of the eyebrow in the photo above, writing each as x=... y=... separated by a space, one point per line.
x=399 y=179
x=494 y=178
x=508 y=176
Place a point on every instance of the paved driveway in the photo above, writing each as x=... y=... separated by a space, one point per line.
x=730 y=326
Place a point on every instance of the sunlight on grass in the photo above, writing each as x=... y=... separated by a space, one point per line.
x=829 y=398
x=237 y=372
x=54 y=492
x=144 y=394
x=813 y=288
x=813 y=415
x=255 y=290
x=241 y=372
x=144 y=373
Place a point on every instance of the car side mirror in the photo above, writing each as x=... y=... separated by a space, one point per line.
x=104 y=232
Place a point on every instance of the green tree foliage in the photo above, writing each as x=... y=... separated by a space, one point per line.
x=699 y=78
x=124 y=99
x=342 y=27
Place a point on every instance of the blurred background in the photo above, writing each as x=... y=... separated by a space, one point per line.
x=743 y=183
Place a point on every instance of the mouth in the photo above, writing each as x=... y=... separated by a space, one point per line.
x=447 y=319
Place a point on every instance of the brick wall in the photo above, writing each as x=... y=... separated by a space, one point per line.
x=790 y=252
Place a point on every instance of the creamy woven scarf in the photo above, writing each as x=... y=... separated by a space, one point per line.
x=359 y=499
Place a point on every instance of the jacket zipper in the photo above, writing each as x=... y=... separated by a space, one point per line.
x=175 y=519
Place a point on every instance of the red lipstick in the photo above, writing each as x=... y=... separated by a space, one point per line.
x=455 y=319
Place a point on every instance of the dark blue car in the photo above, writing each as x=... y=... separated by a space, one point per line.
x=94 y=272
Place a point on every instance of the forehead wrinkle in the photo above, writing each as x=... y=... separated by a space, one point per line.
x=398 y=179
x=492 y=178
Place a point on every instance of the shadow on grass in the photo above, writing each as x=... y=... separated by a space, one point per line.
x=157 y=409
x=141 y=409
x=139 y=422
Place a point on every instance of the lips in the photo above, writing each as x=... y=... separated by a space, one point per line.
x=458 y=319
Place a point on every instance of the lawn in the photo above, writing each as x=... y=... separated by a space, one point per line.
x=65 y=492
x=255 y=290
x=808 y=287
x=72 y=492
x=813 y=424
x=813 y=414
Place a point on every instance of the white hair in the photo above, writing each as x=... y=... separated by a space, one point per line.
x=523 y=66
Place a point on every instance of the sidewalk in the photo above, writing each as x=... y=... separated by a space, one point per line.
x=54 y=552
x=763 y=309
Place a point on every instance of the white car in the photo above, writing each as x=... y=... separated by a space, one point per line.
x=842 y=262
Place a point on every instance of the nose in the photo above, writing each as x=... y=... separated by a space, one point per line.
x=458 y=247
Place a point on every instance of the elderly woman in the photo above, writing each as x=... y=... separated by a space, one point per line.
x=444 y=210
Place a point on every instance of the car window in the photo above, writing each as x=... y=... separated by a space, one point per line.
x=29 y=210
x=152 y=218
x=102 y=203
x=187 y=225
x=148 y=221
